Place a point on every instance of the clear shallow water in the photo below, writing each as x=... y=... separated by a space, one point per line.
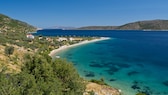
x=131 y=61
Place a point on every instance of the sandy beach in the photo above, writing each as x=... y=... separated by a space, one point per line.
x=53 y=52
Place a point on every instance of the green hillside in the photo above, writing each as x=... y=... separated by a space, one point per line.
x=27 y=69
x=8 y=24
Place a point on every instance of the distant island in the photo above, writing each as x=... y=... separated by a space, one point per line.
x=139 y=25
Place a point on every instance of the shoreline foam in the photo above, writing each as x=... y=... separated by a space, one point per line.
x=53 y=52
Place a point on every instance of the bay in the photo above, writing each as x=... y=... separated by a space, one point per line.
x=132 y=61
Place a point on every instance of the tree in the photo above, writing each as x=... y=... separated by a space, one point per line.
x=9 y=50
x=42 y=76
x=69 y=76
x=8 y=85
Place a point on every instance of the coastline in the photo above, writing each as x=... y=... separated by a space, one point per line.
x=53 y=52
x=91 y=86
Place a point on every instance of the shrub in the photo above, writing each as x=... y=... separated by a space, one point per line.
x=9 y=50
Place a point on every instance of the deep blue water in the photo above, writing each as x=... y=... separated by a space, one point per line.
x=131 y=60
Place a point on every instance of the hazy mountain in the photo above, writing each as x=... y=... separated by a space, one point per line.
x=140 y=25
x=61 y=27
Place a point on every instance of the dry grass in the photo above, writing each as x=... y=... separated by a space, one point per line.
x=13 y=62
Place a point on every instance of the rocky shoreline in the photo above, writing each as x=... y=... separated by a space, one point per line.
x=98 y=89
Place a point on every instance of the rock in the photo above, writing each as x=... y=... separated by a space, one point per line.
x=101 y=89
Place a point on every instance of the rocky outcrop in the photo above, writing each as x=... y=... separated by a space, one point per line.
x=96 y=89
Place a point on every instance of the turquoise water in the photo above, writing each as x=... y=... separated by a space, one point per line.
x=131 y=64
x=133 y=60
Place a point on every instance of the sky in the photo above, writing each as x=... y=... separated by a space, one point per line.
x=78 y=13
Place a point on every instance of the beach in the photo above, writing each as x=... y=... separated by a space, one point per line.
x=53 y=52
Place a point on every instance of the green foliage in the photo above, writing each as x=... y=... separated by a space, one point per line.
x=42 y=76
x=9 y=50
x=69 y=76
x=8 y=85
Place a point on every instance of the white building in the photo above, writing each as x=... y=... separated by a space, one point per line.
x=30 y=36
x=62 y=39
x=71 y=39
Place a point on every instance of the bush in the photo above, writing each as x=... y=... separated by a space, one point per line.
x=9 y=50
x=42 y=76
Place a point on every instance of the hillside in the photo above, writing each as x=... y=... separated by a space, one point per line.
x=140 y=25
x=26 y=68
x=8 y=24
x=13 y=34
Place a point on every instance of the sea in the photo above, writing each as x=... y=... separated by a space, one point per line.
x=131 y=60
